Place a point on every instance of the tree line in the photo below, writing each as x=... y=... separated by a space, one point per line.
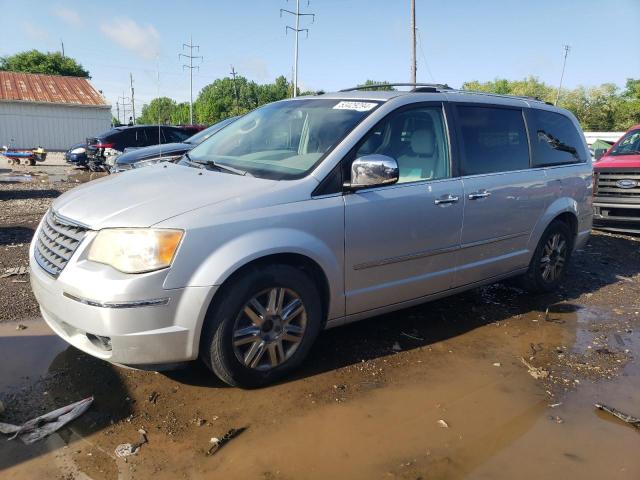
x=601 y=108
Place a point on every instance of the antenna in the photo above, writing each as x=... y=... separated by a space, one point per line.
x=297 y=30
x=567 y=48
x=191 y=56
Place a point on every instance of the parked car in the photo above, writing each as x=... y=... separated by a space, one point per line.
x=616 y=200
x=142 y=157
x=102 y=149
x=77 y=154
x=310 y=213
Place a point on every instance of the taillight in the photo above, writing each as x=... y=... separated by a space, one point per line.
x=103 y=145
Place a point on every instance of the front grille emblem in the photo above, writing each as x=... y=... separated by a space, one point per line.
x=627 y=183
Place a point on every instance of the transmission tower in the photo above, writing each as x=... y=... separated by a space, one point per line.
x=190 y=66
x=297 y=31
x=126 y=102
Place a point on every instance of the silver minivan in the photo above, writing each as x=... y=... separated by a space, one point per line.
x=310 y=213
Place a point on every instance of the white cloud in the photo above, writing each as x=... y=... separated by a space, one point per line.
x=68 y=16
x=35 y=32
x=142 y=40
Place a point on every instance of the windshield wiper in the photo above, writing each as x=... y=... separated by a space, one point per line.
x=191 y=162
x=223 y=167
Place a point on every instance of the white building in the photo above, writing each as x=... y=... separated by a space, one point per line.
x=50 y=111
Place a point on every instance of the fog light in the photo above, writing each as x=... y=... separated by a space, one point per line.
x=103 y=343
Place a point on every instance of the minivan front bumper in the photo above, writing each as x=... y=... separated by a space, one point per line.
x=140 y=324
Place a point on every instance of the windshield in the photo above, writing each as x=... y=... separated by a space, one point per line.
x=629 y=145
x=207 y=132
x=283 y=140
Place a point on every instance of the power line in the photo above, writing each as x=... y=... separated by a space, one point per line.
x=567 y=48
x=424 y=57
x=191 y=56
x=297 y=30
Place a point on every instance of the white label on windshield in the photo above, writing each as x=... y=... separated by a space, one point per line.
x=357 y=106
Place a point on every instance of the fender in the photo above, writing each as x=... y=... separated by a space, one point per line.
x=557 y=207
x=222 y=262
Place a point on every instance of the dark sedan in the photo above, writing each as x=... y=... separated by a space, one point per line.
x=77 y=154
x=141 y=157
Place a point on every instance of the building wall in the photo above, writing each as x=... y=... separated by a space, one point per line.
x=52 y=126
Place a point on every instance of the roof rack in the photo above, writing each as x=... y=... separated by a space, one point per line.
x=500 y=95
x=417 y=87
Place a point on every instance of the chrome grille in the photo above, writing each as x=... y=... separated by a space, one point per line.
x=607 y=183
x=57 y=240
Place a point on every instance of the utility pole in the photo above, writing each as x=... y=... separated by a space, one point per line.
x=235 y=91
x=191 y=56
x=62 y=47
x=118 y=110
x=133 y=103
x=567 y=48
x=297 y=30
x=413 y=41
x=124 y=105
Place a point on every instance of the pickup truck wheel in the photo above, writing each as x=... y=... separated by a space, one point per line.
x=263 y=326
x=550 y=260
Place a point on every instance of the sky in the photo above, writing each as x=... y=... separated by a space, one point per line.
x=348 y=42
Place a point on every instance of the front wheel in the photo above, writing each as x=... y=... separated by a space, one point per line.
x=262 y=326
x=550 y=260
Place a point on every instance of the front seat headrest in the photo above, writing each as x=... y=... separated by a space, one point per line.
x=423 y=142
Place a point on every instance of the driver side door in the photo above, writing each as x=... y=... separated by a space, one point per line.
x=401 y=240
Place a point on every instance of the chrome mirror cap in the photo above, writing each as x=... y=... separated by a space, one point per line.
x=373 y=170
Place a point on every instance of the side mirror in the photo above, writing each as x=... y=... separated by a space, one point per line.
x=598 y=153
x=373 y=170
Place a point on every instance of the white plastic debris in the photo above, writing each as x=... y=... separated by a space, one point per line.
x=46 y=424
x=443 y=424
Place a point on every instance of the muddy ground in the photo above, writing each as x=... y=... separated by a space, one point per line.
x=492 y=383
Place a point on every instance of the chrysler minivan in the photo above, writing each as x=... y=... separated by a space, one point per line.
x=310 y=213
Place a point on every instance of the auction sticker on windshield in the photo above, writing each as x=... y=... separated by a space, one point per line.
x=357 y=106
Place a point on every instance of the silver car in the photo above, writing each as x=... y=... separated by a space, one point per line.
x=311 y=213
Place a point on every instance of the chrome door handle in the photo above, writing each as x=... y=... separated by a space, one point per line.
x=446 y=199
x=479 y=194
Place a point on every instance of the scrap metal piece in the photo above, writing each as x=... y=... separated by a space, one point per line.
x=634 y=421
x=226 y=438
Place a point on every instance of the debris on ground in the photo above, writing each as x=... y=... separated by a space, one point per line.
x=556 y=419
x=21 y=326
x=218 y=443
x=396 y=347
x=535 y=372
x=497 y=364
x=554 y=405
x=153 y=397
x=10 y=272
x=443 y=424
x=46 y=424
x=414 y=337
x=634 y=421
x=127 y=449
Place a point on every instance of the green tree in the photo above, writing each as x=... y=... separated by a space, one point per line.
x=158 y=111
x=384 y=85
x=50 y=63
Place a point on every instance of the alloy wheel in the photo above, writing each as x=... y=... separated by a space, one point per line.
x=554 y=257
x=269 y=328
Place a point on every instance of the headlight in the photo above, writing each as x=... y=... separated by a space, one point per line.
x=135 y=250
x=78 y=150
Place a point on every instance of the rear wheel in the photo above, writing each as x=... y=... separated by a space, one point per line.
x=550 y=260
x=262 y=327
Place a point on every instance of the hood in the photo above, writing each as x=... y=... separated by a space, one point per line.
x=146 y=196
x=618 y=161
x=154 y=151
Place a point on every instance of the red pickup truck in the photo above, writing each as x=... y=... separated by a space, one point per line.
x=616 y=189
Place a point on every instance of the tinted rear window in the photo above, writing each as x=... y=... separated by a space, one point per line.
x=492 y=139
x=555 y=140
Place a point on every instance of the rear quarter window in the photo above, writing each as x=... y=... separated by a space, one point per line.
x=492 y=139
x=554 y=139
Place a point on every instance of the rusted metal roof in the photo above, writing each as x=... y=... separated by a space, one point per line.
x=30 y=87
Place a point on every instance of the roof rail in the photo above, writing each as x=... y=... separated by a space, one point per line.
x=500 y=95
x=417 y=87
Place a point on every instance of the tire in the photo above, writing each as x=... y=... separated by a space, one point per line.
x=550 y=259
x=248 y=340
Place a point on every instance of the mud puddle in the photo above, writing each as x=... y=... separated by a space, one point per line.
x=432 y=395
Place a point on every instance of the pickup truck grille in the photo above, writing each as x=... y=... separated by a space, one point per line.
x=56 y=242
x=608 y=183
